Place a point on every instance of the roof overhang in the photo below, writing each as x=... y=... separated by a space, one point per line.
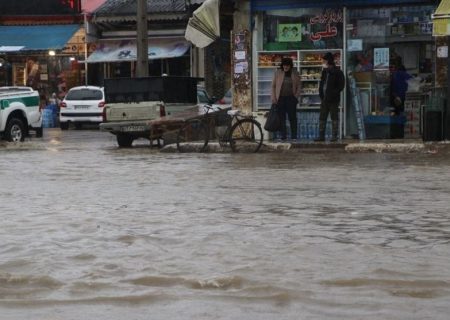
x=132 y=34
x=132 y=18
x=36 y=38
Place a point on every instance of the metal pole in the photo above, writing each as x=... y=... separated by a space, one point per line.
x=447 y=105
x=142 y=39
x=343 y=109
x=85 y=50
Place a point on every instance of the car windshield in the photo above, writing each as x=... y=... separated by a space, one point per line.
x=84 y=94
x=202 y=96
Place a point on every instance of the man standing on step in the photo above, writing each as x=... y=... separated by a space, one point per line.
x=332 y=82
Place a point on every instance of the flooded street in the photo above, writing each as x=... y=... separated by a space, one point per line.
x=91 y=231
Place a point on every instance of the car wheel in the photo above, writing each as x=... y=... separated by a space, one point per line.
x=39 y=132
x=64 y=125
x=15 y=130
x=124 y=140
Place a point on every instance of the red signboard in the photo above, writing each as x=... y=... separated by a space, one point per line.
x=41 y=7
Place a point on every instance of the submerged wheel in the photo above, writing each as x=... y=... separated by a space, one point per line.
x=64 y=125
x=15 y=130
x=246 y=136
x=195 y=132
x=39 y=132
x=124 y=140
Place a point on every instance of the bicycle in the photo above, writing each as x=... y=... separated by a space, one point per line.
x=241 y=132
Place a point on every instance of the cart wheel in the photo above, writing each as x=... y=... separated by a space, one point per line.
x=158 y=141
x=192 y=135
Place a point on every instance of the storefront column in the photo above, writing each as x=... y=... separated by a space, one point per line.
x=446 y=104
x=242 y=95
x=343 y=113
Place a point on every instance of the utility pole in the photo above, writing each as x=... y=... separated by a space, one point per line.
x=142 y=39
x=85 y=48
x=242 y=95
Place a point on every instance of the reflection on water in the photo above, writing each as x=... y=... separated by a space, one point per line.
x=90 y=231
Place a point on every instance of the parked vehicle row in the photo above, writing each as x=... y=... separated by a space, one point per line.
x=20 y=108
x=85 y=104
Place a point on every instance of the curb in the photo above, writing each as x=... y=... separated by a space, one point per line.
x=351 y=147
x=385 y=147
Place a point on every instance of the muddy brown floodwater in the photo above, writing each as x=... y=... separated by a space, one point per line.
x=90 y=231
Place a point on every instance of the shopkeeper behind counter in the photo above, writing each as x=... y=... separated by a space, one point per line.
x=399 y=86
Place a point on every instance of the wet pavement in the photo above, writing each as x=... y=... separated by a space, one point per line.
x=91 y=231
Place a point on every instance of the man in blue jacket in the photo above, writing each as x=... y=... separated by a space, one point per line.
x=332 y=82
x=399 y=87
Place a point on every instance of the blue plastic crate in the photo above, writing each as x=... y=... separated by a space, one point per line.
x=384 y=126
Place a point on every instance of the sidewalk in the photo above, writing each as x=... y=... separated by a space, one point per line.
x=345 y=145
x=374 y=145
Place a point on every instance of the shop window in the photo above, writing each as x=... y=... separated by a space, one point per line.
x=386 y=46
x=122 y=69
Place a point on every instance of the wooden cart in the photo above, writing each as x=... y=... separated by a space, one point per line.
x=172 y=123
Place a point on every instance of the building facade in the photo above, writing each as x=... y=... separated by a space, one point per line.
x=372 y=44
x=112 y=30
x=40 y=45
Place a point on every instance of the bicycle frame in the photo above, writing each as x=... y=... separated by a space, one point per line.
x=241 y=132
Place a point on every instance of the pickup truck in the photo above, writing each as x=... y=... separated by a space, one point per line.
x=19 y=113
x=130 y=104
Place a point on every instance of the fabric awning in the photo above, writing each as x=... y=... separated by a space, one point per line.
x=126 y=50
x=35 y=38
x=204 y=26
x=441 y=19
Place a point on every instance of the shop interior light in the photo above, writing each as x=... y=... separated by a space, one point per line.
x=72 y=58
x=51 y=52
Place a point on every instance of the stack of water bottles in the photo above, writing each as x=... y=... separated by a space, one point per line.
x=50 y=116
x=307 y=127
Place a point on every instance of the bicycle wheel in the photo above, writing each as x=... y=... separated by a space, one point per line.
x=192 y=135
x=222 y=129
x=246 y=136
x=224 y=138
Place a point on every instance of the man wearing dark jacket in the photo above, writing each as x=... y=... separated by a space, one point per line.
x=332 y=82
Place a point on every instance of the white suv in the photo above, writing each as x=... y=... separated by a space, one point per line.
x=82 y=104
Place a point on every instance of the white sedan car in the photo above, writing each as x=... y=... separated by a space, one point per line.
x=83 y=104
